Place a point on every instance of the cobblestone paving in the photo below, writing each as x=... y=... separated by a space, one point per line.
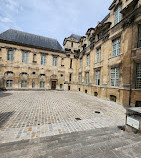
x=27 y=115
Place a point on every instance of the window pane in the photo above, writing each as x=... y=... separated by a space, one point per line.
x=10 y=55
x=115 y=77
x=138 y=82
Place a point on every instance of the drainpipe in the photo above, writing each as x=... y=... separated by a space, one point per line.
x=130 y=93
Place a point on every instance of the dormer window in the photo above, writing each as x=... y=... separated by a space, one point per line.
x=71 y=44
x=117 y=15
x=99 y=36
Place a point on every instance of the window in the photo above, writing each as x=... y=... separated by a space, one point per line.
x=138 y=104
x=61 y=86
x=43 y=59
x=34 y=58
x=116 y=47
x=113 y=98
x=97 y=77
x=80 y=78
x=42 y=76
x=89 y=42
x=54 y=61
x=25 y=57
x=99 y=55
x=99 y=36
x=115 y=77
x=33 y=73
x=71 y=44
x=117 y=15
x=81 y=63
x=95 y=94
x=42 y=84
x=70 y=63
x=70 y=77
x=87 y=78
x=10 y=55
x=88 y=60
x=85 y=90
x=138 y=80
x=24 y=84
x=33 y=84
x=9 y=83
x=9 y=73
x=139 y=36
x=24 y=74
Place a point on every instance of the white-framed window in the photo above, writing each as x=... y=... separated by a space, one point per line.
x=117 y=15
x=24 y=74
x=80 y=78
x=88 y=59
x=54 y=61
x=10 y=55
x=98 y=55
x=42 y=76
x=24 y=84
x=61 y=86
x=87 y=78
x=81 y=63
x=116 y=47
x=42 y=84
x=138 y=79
x=25 y=57
x=115 y=77
x=97 y=77
x=43 y=59
x=9 y=73
x=9 y=83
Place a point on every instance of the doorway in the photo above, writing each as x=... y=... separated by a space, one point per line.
x=53 y=85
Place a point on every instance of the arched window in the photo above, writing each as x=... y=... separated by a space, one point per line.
x=24 y=74
x=42 y=76
x=9 y=73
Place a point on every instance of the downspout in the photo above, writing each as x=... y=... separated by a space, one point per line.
x=130 y=92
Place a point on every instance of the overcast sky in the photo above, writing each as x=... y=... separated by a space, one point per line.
x=52 y=18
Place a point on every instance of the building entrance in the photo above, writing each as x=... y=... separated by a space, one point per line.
x=53 y=85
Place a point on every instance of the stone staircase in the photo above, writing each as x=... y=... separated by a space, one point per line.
x=100 y=143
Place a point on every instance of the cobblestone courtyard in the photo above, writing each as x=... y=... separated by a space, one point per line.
x=27 y=115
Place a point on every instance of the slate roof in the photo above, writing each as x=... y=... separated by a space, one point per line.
x=30 y=39
x=106 y=17
x=76 y=36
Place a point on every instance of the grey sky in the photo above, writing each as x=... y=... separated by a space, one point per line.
x=52 y=18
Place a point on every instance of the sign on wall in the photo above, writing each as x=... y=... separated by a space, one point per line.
x=132 y=122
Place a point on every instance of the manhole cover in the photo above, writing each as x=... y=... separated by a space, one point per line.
x=97 y=112
x=78 y=119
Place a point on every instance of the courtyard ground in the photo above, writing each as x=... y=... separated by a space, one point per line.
x=32 y=114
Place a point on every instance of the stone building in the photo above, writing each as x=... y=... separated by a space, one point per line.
x=104 y=63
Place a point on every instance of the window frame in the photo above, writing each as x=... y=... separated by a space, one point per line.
x=10 y=55
x=115 y=76
x=9 y=83
x=24 y=57
x=43 y=59
x=116 y=47
x=99 y=55
x=54 y=61
x=87 y=78
x=138 y=76
x=97 y=77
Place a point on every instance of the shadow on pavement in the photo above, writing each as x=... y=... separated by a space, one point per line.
x=4 y=117
x=4 y=94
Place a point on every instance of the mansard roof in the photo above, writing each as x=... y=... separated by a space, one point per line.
x=30 y=39
x=76 y=36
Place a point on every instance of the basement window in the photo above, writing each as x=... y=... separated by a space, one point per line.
x=113 y=98
x=95 y=94
x=138 y=104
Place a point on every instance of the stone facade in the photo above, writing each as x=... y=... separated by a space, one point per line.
x=105 y=63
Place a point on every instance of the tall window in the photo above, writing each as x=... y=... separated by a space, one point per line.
x=43 y=59
x=70 y=77
x=42 y=76
x=33 y=84
x=54 y=61
x=115 y=77
x=24 y=74
x=24 y=84
x=80 y=78
x=10 y=55
x=71 y=44
x=9 y=73
x=70 y=63
x=99 y=55
x=42 y=84
x=81 y=63
x=116 y=47
x=97 y=77
x=89 y=42
x=25 y=57
x=117 y=15
x=9 y=83
x=88 y=59
x=87 y=78
x=139 y=37
x=138 y=81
